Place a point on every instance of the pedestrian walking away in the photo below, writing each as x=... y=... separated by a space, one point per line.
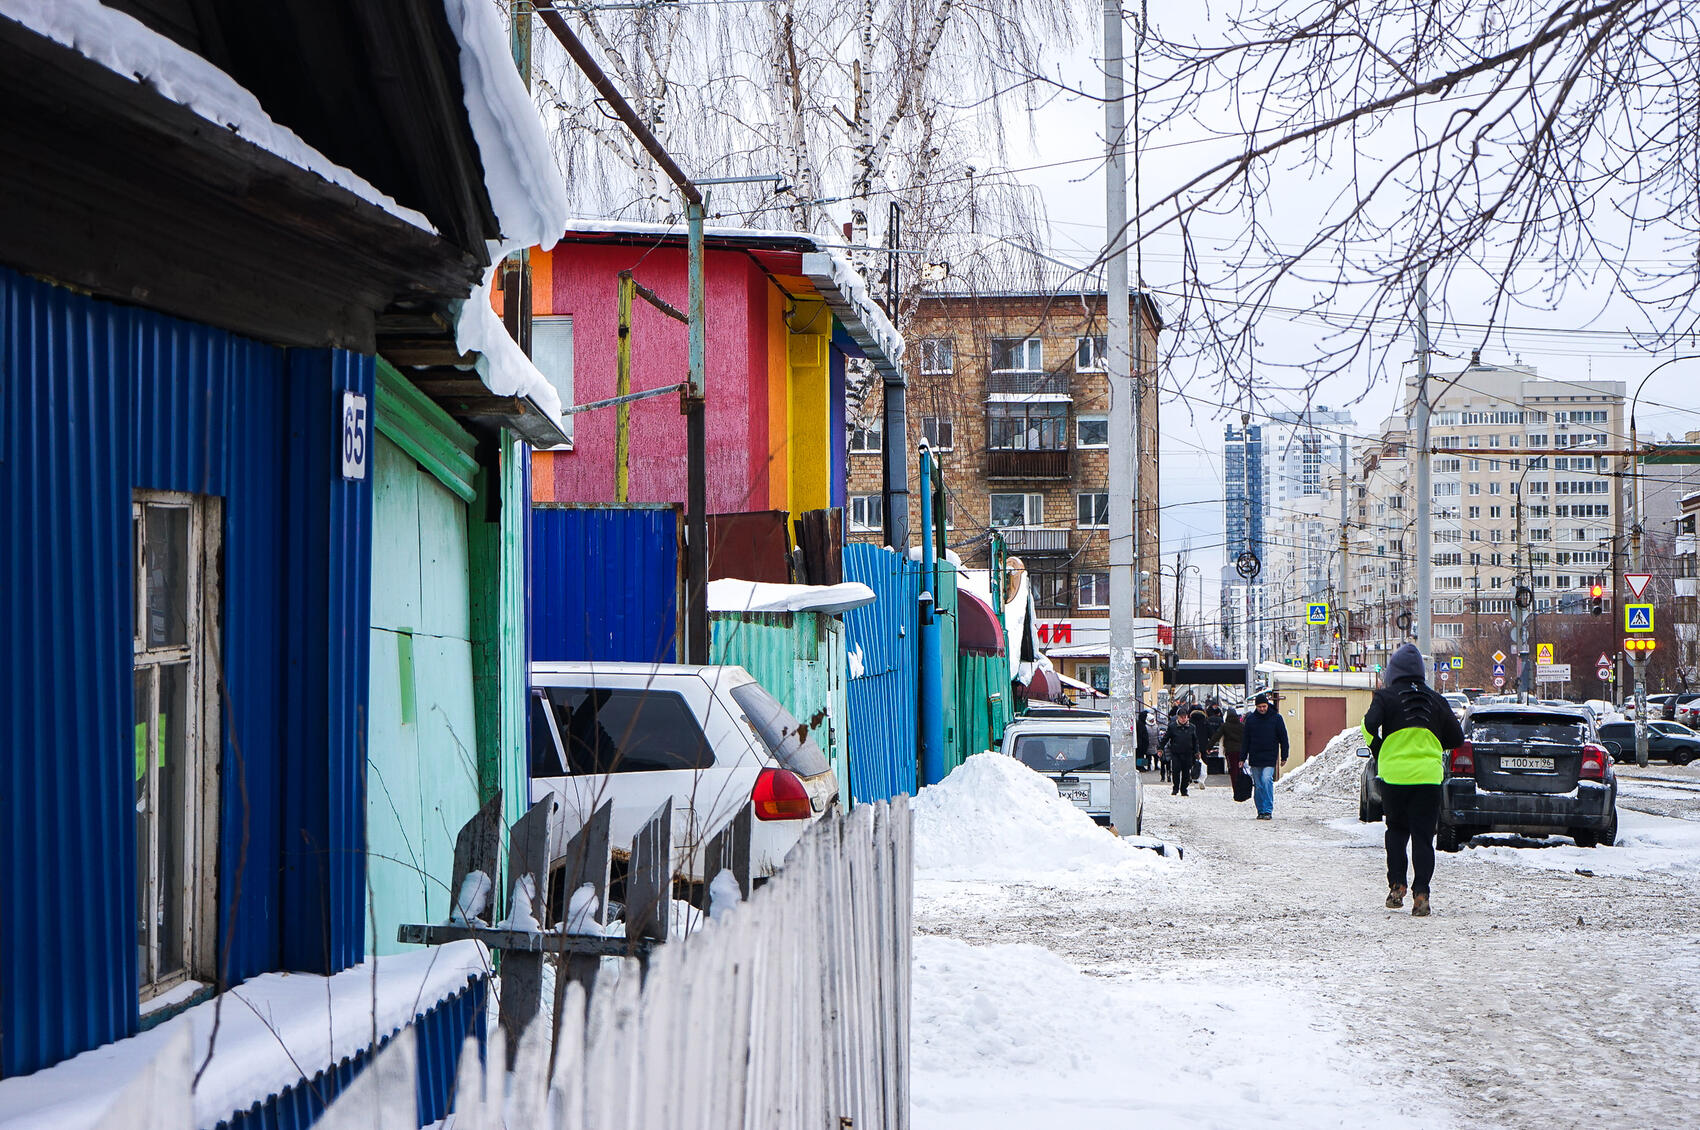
x=1409 y=728
x=1232 y=733
x=1206 y=737
x=1263 y=740
x=1180 y=742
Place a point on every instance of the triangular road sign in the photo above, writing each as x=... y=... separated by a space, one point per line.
x=1602 y=661
x=1637 y=582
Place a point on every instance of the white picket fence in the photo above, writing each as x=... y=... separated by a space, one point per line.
x=786 y=1012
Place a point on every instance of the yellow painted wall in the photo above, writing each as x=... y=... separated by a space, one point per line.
x=778 y=404
x=811 y=420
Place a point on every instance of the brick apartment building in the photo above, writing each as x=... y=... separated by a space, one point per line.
x=1007 y=384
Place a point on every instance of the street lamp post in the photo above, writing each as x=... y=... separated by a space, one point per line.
x=1638 y=660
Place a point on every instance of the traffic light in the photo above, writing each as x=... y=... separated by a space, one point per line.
x=1640 y=648
x=1597 y=595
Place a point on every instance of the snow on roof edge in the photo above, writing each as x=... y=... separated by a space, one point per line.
x=502 y=365
x=526 y=189
x=845 y=291
x=130 y=49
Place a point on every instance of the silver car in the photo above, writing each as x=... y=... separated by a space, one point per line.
x=1075 y=753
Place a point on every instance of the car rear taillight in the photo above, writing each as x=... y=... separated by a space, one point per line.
x=779 y=795
x=1464 y=760
x=1594 y=762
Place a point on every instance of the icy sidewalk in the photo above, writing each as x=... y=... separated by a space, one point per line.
x=1016 y=1035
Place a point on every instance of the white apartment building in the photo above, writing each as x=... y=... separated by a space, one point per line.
x=1302 y=460
x=1380 y=520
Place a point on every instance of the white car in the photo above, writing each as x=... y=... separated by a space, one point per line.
x=710 y=739
x=1459 y=702
x=1075 y=753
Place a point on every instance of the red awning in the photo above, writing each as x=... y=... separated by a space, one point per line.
x=977 y=629
x=1044 y=686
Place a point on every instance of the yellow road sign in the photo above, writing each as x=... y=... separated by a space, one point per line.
x=1543 y=653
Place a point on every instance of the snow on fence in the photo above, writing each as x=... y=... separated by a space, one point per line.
x=790 y=1009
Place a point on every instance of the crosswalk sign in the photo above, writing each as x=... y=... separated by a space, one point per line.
x=1316 y=613
x=1638 y=617
x=1457 y=662
x=1499 y=670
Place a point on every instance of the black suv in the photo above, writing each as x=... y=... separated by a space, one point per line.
x=1666 y=741
x=1538 y=770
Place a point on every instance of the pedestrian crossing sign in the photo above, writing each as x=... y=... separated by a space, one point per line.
x=1638 y=617
x=1316 y=613
x=1457 y=662
x=1499 y=669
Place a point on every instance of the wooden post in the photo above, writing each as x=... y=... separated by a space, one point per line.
x=729 y=848
x=649 y=887
x=478 y=848
x=622 y=387
x=522 y=972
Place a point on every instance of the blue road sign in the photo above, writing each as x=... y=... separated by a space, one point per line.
x=1638 y=617
x=1499 y=670
x=1316 y=613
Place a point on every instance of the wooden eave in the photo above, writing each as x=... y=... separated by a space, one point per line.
x=112 y=188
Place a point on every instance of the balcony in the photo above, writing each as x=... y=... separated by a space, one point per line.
x=1003 y=463
x=1033 y=539
x=1026 y=382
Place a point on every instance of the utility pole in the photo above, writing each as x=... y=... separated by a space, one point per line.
x=1124 y=440
x=1425 y=491
x=1639 y=659
x=1345 y=550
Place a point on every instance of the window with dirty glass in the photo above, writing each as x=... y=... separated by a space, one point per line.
x=616 y=730
x=176 y=735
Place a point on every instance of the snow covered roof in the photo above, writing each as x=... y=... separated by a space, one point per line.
x=730 y=595
x=828 y=271
x=127 y=47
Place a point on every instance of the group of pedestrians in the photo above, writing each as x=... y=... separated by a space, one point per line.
x=1251 y=744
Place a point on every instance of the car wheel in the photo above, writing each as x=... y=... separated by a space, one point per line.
x=1450 y=837
x=1585 y=837
x=1682 y=757
x=1607 y=836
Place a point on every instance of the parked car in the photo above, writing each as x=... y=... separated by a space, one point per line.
x=1534 y=769
x=1655 y=705
x=1075 y=753
x=1459 y=701
x=1666 y=741
x=1684 y=708
x=707 y=739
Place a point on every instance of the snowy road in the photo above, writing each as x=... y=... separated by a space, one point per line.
x=1261 y=982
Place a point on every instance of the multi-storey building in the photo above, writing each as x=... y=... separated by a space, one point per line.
x=1281 y=476
x=1007 y=385
x=1379 y=533
x=1687 y=590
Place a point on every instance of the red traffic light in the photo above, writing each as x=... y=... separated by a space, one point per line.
x=1598 y=592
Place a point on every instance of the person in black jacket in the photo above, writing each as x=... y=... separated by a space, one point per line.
x=1263 y=739
x=1180 y=742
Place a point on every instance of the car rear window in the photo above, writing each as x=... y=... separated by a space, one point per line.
x=785 y=737
x=1063 y=753
x=614 y=730
x=1546 y=729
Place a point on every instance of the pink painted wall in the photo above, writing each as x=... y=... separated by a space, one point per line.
x=585 y=285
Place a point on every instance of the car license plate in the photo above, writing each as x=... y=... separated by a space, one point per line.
x=1525 y=763
x=1079 y=794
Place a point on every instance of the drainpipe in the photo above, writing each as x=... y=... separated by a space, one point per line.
x=930 y=693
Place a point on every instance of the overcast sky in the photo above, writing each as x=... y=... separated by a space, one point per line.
x=1585 y=337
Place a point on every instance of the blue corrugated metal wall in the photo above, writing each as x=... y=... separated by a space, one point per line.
x=882 y=733
x=96 y=400
x=604 y=583
x=441 y=1034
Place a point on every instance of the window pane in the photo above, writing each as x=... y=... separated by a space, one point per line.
x=1009 y=509
x=145 y=911
x=1092 y=431
x=552 y=352
x=167 y=576
x=173 y=798
x=608 y=730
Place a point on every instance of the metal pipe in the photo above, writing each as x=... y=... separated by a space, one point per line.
x=1425 y=491
x=615 y=401
x=696 y=454
x=623 y=390
x=930 y=688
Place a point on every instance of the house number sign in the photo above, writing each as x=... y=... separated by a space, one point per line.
x=356 y=431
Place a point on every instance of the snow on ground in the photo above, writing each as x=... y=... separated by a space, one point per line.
x=1260 y=981
x=994 y=819
x=1014 y=1036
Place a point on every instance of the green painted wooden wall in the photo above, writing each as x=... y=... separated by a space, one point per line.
x=498 y=628
x=799 y=658
x=422 y=776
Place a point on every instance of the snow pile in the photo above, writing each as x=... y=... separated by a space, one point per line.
x=1012 y=1036
x=1647 y=846
x=128 y=48
x=993 y=818
x=1335 y=772
x=729 y=595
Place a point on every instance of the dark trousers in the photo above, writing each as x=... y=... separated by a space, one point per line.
x=1180 y=771
x=1412 y=811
